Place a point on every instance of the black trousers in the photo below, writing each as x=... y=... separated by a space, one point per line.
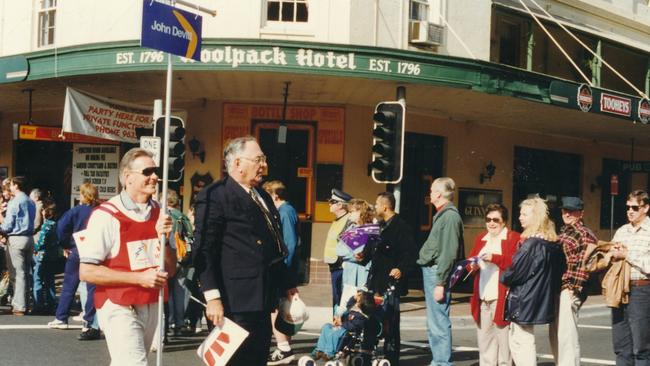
x=255 y=349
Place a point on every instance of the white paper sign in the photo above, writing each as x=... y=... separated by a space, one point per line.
x=222 y=343
x=97 y=164
x=151 y=144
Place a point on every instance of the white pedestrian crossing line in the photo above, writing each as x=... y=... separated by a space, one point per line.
x=545 y=356
x=33 y=326
x=594 y=326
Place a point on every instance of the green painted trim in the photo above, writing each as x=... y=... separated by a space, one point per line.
x=369 y=62
x=530 y=48
x=647 y=79
x=596 y=73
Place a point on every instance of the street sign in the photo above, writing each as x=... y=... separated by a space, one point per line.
x=151 y=144
x=171 y=30
x=613 y=184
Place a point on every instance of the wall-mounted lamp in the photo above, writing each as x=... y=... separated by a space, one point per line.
x=194 y=146
x=490 y=169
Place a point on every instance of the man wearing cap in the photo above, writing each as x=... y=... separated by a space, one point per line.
x=631 y=321
x=574 y=237
x=339 y=207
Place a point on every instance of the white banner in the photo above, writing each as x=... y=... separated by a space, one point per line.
x=92 y=115
x=97 y=164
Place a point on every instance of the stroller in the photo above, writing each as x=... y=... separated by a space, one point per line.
x=360 y=348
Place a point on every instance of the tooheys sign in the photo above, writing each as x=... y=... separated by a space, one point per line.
x=594 y=100
x=615 y=105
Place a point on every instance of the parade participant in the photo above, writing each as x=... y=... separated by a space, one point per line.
x=534 y=280
x=437 y=256
x=574 y=237
x=120 y=253
x=631 y=321
x=239 y=251
x=72 y=221
x=289 y=221
x=338 y=206
x=18 y=225
x=494 y=248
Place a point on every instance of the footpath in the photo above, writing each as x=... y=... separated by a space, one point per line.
x=318 y=299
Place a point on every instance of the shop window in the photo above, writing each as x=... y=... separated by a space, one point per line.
x=547 y=174
x=293 y=11
x=46 y=22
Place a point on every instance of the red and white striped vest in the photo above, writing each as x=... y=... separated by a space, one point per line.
x=139 y=250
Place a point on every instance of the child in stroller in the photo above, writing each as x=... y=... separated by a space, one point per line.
x=353 y=334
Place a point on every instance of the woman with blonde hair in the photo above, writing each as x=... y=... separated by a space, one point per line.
x=74 y=220
x=355 y=268
x=534 y=280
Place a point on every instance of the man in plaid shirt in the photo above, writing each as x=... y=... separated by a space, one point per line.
x=574 y=237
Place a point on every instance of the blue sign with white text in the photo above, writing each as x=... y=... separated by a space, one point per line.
x=171 y=30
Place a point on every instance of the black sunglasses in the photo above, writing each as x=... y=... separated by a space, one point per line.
x=147 y=172
x=634 y=208
x=496 y=220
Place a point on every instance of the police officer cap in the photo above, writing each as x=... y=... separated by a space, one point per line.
x=572 y=204
x=340 y=196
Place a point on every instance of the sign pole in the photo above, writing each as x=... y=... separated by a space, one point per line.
x=163 y=209
x=613 y=191
x=397 y=190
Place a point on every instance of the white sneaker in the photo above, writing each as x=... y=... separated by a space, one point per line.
x=57 y=324
x=79 y=318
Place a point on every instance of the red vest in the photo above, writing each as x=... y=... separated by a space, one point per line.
x=139 y=250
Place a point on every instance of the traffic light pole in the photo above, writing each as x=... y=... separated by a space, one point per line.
x=397 y=189
x=163 y=208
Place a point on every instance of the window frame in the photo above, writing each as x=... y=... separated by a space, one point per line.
x=45 y=28
x=426 y=11
x=280 y=27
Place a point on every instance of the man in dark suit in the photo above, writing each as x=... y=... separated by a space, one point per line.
x=238 y=250
x=391 y=259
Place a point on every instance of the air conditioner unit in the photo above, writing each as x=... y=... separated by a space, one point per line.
x=423 y=32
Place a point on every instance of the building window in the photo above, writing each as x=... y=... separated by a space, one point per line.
x=46 y=16
x=295 y=11
x=419 y=10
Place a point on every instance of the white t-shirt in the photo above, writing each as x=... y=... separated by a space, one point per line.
x=101 y=238
x=488 y=287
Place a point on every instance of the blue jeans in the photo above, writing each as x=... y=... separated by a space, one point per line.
x=631 y=329
x=438 y=323
x=43 y=286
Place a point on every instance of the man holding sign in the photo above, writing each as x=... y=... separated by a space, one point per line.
x=119 y=252
x=238 y=250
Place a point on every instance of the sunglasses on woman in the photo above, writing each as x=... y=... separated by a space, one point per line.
x=495 y=220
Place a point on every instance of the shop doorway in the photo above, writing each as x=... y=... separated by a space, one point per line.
x=292 y=163
x=48 y=167
x=547 y=174
x=423 y=159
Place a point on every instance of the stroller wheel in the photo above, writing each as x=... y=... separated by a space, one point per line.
x=357 y=360
x=383 y=362
x=306 y=361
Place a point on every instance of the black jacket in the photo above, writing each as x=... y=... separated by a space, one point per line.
x=534 y=279
x=395 y=250
x=234 y=250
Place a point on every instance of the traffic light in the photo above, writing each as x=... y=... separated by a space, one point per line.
x=388 y=142
x=176 y=147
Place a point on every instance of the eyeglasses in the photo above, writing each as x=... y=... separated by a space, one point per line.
x=147 y=172
x=634 y=208
x=495 y=220
x=257 y=160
